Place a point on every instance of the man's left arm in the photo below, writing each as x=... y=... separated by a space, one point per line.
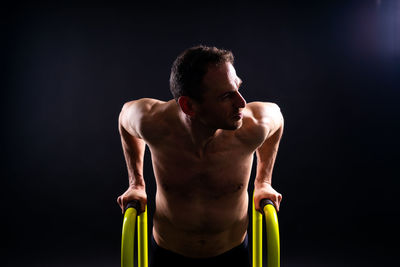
x=271 y=118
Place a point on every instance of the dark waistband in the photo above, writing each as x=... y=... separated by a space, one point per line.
x=240 y=248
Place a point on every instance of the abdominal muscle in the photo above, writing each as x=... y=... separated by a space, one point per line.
x=196 y=227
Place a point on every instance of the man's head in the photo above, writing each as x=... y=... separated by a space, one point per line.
x=204 y=83
x=190 y=67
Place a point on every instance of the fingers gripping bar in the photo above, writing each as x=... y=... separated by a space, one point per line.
x=133 y=204
x=272 y=231
x=128 y=236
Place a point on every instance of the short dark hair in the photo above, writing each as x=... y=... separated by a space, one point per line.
x=189 y=68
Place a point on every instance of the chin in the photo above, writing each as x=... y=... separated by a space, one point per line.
x=238 y=125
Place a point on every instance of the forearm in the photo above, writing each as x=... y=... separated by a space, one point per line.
x=134 y=149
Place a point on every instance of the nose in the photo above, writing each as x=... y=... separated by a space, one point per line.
x=240 y=102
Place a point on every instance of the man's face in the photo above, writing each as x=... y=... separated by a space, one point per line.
x=222 y=103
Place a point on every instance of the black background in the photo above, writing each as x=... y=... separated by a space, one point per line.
x=332 y=67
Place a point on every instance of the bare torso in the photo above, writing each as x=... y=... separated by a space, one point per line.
x=202 y=198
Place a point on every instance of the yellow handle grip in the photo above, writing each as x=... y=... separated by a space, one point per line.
x=272 y=230
x=128 y=237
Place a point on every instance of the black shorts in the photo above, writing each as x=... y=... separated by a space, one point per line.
x=238 y=256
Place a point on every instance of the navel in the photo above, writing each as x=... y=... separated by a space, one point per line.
x=239 y=187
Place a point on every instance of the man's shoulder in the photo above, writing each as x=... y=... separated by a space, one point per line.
x=262 y=110
x=149 y=115
x=257 y=121
x=147 y=108
x=143 y=105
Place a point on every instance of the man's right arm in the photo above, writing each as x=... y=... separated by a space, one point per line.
x=129 y=124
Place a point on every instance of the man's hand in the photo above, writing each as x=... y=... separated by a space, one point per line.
x=133 y=193
x=265 y=190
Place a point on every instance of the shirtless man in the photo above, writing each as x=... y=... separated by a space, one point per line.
x=202 y=145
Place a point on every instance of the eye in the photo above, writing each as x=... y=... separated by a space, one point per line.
x=227 y=96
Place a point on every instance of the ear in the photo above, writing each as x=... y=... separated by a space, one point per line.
x=186 y=105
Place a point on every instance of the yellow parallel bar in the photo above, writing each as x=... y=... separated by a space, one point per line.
x=142 y=240
x=257 y=237
x=272 y=231
x=272 y=228
x=128 y=237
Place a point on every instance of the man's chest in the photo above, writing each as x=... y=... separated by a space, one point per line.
x=221 y=168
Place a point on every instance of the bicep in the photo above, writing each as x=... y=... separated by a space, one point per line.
x=267 y=151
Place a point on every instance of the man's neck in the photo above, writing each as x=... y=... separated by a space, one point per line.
x=200 y=134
